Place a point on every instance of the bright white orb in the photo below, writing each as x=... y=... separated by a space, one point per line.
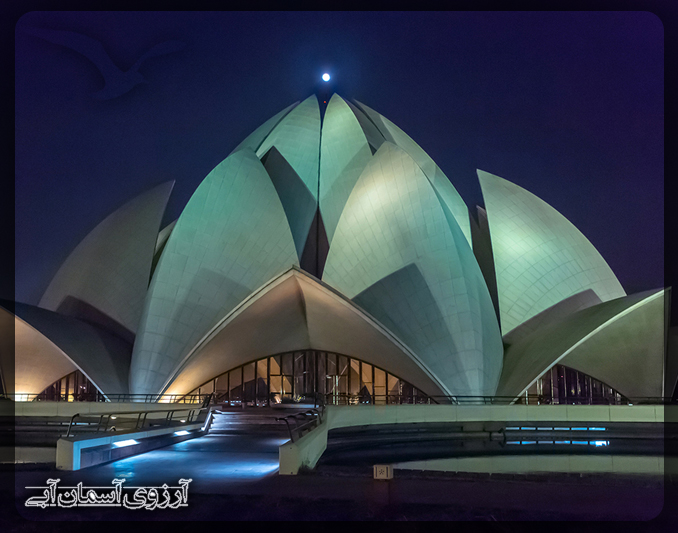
x=326 y=77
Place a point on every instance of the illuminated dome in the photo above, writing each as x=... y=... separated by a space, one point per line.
x=331 y=247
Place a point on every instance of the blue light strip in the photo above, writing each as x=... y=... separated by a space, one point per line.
x=545 y=442
x=580 y=442
x=579 y=429
x=512 y=429
x=562 y=442
x=123 y=443
x=596 y=429
x=529 y=442
x=526 y=428
x=562 y=429
x=545 y=429
x=512 y=442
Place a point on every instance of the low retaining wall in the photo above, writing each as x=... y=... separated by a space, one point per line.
x=79 y=452
x=520 y=464
x=307 y=451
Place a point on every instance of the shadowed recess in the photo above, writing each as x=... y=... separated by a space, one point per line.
x=76 y=308
x=317 y=247
x=297 y=201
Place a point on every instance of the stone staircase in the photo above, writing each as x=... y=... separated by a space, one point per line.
x=254 y=420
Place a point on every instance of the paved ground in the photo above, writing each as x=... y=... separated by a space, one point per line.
x=235 y=478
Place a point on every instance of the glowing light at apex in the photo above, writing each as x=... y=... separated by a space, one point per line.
x=122 y=443
x=182 y=432
x=326 y=77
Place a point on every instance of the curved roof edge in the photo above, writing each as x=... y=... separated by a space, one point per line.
x=621 y=342
x=540 y=257
x=297 y=137
x=440 y=182
x=232 y=235
x=104 y=279
x=102 y=357
x=257 y=137
x=393 y=218
x=344 y=153
x=304 y=325
x=556 y=312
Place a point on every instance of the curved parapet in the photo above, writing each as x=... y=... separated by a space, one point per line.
x=619 y=342
x=296 y=312
x=254 y=139
x=540 y=257
x=297 y=138
x=438 y=179
x=105 y=278
x=400 y=255
x=49 y=345
x=231 y=237
x=344 y=153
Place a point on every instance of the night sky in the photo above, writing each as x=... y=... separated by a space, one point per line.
x=569 y=106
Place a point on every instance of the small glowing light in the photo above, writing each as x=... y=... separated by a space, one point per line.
x=579 y=429
x=183 y=420
x=182 y=432
x=526 y=428
x=326 y=77
x=113 y=417
x=529 y=442
x=597 y=429
x=600 y=442
x=123 y=443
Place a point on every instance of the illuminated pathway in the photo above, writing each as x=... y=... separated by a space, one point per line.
x=214 y=463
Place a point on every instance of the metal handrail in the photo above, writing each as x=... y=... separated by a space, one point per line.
x=139 y=423
x=316 y=412
x=115 y=398
x=207 y=399
x=530 y=399
x=299 y=428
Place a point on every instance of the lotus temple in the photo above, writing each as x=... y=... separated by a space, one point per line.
x=328 y=255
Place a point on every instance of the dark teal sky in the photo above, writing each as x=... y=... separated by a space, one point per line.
x=567 y=105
